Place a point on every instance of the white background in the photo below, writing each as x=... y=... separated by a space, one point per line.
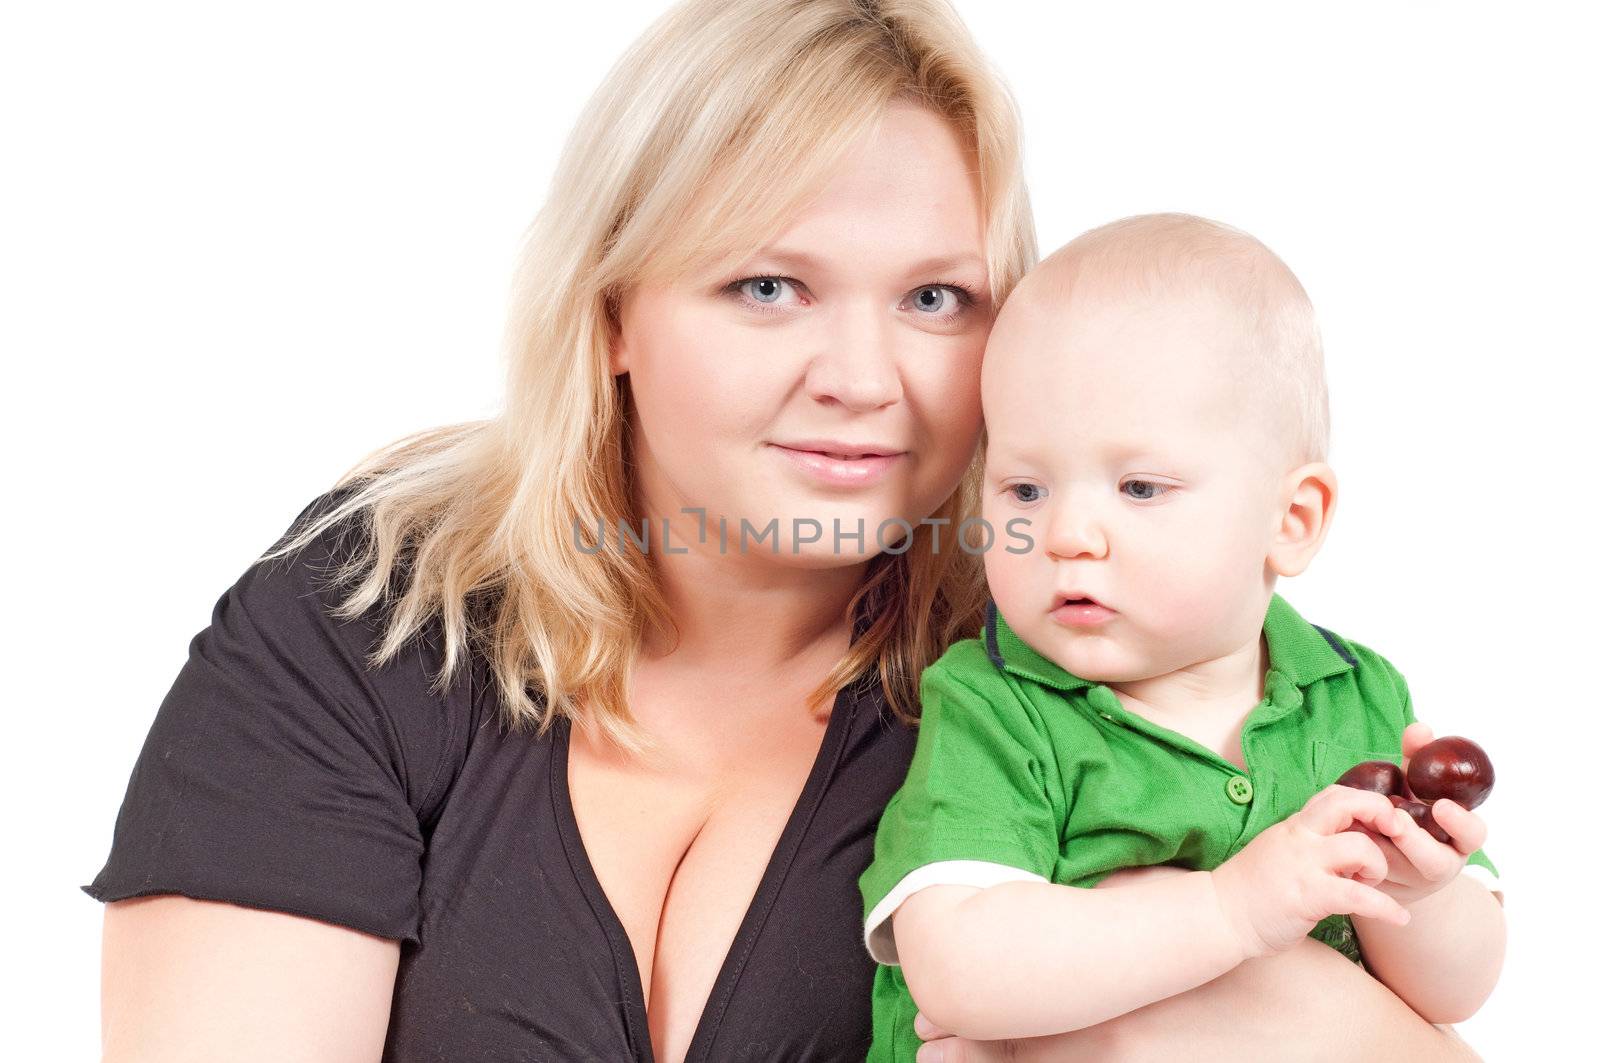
x=243 y=245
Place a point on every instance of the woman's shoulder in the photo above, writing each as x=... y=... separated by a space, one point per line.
x=284 y=768
x=300 y=597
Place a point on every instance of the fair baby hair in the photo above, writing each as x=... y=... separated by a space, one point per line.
x=1280 y=368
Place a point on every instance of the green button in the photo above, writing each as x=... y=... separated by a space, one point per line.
x=1104 y=700
x=1239 y=790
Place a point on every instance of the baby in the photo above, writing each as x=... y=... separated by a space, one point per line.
x=1140 y=696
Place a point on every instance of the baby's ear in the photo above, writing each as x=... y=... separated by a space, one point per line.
x=1308 y=498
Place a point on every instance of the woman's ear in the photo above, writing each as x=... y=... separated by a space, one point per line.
x=1310 y=494
x=616 y=343
x=618 y=356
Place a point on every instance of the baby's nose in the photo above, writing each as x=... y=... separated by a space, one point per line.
x=1074 y=533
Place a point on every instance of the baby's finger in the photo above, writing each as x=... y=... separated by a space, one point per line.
x=1337 y=807
x=1467 y=830
x=961 y=1050
x=1402 y=872
x=1433 y=861
x=1414 y=738
x=1354 y=854
x=927 y=1030
x=1357 y=899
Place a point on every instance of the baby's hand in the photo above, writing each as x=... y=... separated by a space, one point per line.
x=1308 y=867
x=1420 y=866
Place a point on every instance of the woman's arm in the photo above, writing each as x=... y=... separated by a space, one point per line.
x=1306 y=1003
x=1309 y=1003
x=186 y=981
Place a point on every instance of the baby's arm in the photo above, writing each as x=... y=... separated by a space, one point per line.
x=1026 y=959
x=1447 y=960
x=1022 y=959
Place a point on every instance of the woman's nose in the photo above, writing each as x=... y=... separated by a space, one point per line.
x=857 y=366
x=1074 y=531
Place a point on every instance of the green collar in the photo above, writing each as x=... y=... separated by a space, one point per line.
x=1303 y=652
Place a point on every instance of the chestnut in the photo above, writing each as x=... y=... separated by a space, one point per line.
x=1379 y=776
x=1423 y=815
x=1452 y=767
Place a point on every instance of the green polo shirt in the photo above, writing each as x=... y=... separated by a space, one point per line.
x=1023 y=770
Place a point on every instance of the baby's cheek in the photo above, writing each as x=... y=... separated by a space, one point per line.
x=1165 y=575
x=1008 y=573
x=1177 y=604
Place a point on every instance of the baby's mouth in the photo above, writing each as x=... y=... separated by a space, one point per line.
x=1079 y=610
x=1063 y=599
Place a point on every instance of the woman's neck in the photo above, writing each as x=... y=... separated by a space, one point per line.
x=767 y=617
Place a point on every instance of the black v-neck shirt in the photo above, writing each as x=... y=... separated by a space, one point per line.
x=281 y=773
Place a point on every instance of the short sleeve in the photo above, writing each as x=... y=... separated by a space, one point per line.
x=277 y=773
x=1479 y=866
x=977 y=805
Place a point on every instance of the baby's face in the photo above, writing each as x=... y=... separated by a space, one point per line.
x=1115 y=429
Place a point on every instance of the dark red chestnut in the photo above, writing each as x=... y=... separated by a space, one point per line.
x=1379 y=776
x=1452 y=767
x=1423 y=815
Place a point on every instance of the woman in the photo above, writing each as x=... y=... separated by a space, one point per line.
x=464 y=769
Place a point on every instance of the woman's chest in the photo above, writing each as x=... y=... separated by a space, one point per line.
x=525 y=957
x=679 y=843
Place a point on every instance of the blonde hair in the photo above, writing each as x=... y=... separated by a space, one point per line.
x=704 y=137
x=1281 y=367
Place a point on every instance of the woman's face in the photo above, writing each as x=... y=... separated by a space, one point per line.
x=858 y=331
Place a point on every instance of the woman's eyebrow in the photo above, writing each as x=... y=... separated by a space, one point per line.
x=947 y=263
x=800 y=260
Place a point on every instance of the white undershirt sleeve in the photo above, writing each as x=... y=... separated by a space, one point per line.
x=979 y=873
x=1490 y=880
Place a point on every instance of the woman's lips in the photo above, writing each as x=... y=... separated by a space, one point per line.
x=840 y=472
x=1083 y=613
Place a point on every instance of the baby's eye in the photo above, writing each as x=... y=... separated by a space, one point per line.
x=1144 y=490
x=1026 y=492
x=766 y=291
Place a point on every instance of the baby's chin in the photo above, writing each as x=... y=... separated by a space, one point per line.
x=1114 y=676
x=1100 y=660
x=1113 y=657
x=1107 y=667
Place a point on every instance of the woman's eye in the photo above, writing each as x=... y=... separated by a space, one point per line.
x=765 y=291
x=942 y=301
x=1026 y=492
x=1144 y=490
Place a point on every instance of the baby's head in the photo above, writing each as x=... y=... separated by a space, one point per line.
x=1156 y=410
